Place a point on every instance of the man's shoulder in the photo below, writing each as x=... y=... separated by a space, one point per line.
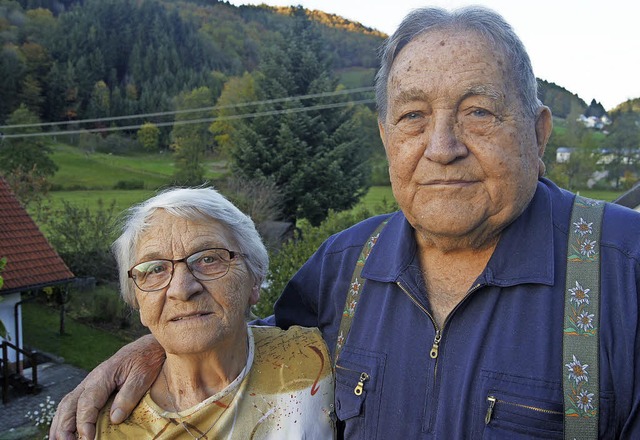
x=621 y=229
x=359 y=233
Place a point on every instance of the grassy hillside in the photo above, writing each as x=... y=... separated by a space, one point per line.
x=84 y=178
x=78 y=169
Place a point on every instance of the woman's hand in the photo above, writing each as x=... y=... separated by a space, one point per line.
x=132 y=370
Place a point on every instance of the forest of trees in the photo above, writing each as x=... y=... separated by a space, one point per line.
x=89 y=65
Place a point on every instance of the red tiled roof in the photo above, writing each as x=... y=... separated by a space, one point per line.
x=31 y=261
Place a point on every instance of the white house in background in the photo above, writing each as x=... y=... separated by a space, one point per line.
x=31 y=264
x=594 y=122
x=563 y=154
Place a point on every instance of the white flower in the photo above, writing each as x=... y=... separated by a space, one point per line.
x=583 y=228
x=579 y=295
x=585 y=321
x=584 y=400
x=588 y=248
x=44 y=417
x=577 y=371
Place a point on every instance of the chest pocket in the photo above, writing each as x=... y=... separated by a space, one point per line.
x=517 y=407
x=358 y=392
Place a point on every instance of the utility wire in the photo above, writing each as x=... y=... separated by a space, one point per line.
x=192 y=110
x=193 y=121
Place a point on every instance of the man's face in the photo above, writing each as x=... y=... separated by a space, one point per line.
x=463 y=152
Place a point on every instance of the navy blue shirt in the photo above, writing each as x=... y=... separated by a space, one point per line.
x=500 y=348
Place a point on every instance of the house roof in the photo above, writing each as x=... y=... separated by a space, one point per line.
x=31 y=261
x=630 y=199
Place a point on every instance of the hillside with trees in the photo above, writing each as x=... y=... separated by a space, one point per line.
x=90 y=65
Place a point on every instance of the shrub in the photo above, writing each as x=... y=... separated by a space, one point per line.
x=129 y=184
x=117 y=144
x=294 y=253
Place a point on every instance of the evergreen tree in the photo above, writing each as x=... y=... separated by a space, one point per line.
x=315 y=157
x=191 y=141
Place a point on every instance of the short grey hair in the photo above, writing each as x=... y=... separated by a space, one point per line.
x=190 y=204
x=485 y=22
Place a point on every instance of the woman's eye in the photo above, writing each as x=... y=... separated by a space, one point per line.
x=208 y=259
x=157 y=269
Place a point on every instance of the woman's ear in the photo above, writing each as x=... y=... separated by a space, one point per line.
x=255 y=295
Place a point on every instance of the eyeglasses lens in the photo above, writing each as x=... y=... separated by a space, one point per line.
x=152 y=275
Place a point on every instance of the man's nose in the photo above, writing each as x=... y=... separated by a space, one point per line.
x=183 y=284
x=443 y=144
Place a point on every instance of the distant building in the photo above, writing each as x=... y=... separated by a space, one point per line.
x=563 y=154
x=598 y=123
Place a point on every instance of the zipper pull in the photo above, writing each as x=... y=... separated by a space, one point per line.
x=436 y=343
x=492 y=403
x=358 y=389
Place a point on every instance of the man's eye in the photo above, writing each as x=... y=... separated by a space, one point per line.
x=411 y=116
x=481 y=113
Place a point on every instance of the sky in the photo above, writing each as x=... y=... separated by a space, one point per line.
x=591 y=48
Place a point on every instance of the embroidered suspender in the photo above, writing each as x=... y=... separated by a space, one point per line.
x=580 y=350
x=353 y=295
x=581 y=317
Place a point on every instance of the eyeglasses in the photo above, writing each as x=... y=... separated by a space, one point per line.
x=205 y=265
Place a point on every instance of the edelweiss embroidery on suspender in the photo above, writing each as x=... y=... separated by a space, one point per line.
x=581 y=322
x=355 y=288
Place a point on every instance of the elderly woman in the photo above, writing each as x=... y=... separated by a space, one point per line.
x=192 y=264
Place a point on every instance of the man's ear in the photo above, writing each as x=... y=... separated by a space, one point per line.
x=544 y=127
x=383 y=134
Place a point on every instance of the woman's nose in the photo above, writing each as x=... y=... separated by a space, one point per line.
x=183 y=284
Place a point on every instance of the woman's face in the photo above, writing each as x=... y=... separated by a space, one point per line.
x=189 y=315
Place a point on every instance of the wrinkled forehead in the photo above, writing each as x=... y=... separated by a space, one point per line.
x=178 y=231
x=445 y=60
x=457 y=43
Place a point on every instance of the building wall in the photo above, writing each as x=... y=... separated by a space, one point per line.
x=7 y=306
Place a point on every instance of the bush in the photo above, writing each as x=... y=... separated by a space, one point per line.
x=129 y=184
x=117 y=144
x=294 y=253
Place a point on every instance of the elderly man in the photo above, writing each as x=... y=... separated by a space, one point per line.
x=458 y=330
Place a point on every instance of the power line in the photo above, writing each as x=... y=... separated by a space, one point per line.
x=192 y=110
x=194 y=121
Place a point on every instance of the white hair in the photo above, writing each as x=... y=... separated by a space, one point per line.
x=190 y=204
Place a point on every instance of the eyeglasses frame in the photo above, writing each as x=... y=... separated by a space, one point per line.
x=232 y=256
